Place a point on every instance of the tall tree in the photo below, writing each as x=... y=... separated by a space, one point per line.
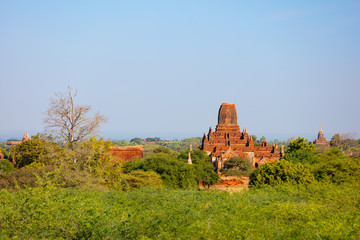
x=70 y=121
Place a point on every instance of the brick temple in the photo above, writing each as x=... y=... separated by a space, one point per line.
x=228 y=141
x=321 y=140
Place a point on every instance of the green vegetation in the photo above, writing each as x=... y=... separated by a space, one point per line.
x=300 y=144
x=35 y=150
x=151 y=143
x=6 y=166
x=280 y=172
x=314 y=211
x=174 y=170
x=333 y=166
x=78 y=191
x=90 y=165
x=237 y=166
x=4 y=152
x=348 y=145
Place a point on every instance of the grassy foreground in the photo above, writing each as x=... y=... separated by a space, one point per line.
x=316 y=211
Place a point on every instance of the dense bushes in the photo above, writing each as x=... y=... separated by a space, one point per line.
x=6 y=166
x=115 y=178
x=302 y=157
x=280 y=172
x=338 y=170
x=301 y=166
x=174 y=171
x=64 y=178
x=35 y=150
x=315 y=211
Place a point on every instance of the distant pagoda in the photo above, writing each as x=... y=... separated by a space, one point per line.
x=228 y=141
x=321 y=140
x=14 y=143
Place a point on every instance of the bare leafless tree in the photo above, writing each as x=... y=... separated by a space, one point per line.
x=68 y=120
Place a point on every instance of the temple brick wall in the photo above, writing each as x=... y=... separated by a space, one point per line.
x=127 y=153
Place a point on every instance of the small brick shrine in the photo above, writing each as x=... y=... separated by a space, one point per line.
x=228 y=141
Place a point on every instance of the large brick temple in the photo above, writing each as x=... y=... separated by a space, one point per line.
x=228 y=141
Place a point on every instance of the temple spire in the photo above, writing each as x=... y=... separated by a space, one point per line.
x=189 y=159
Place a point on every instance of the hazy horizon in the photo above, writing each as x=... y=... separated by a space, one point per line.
x=18 y=134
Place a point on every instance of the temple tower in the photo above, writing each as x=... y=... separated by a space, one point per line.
x=228 y=141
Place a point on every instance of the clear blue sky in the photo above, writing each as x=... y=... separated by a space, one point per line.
x=162 y=68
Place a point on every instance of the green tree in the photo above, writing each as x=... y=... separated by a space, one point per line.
x=335 y=167
x=90 y=154
x=301 y=156
x=345 y=142
x=6 y=166
x=162 y=149
x=204 y=170
x=137 y=141
x=37 y=149
x=262 y=139
x=237 y=166
x=174 y=170
x=300 y=144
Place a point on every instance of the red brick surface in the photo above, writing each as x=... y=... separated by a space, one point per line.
x=128 y=153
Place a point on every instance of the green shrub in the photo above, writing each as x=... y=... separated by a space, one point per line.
x=4 y=152
x=138 y=178
x=48 y=175
x=237 y=166
x=6 y=166
x=174 y=173
x=204 y=170
x=338 y=170
x=301 y=156
x=37 y=149
x=279 y=172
